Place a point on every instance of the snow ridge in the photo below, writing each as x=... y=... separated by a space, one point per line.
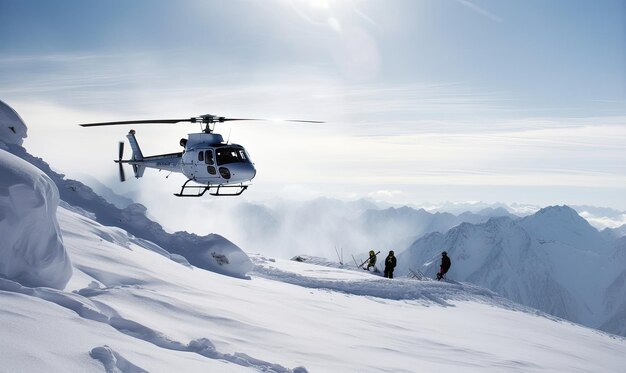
x=113 y=362
x=426 y=292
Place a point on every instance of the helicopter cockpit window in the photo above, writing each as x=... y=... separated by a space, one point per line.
x=231 y=155
x=201 y=156
x=208 y=157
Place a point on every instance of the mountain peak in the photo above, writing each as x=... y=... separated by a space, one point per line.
x=554 y=210
x=559 y=215
x=562 y=223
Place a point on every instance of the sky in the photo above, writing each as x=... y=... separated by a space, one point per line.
x=423 y=101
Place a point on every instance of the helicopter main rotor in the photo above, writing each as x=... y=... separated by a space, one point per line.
x=206 y=119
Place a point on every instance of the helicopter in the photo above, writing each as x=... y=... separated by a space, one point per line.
x=219 y=168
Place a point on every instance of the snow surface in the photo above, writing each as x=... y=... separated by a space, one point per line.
x=128 y=308
x=31 y=248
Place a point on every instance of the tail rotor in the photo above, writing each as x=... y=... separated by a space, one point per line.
x=119 y=162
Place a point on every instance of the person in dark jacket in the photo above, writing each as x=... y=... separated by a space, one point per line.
x=390 y=264
x=445 y=265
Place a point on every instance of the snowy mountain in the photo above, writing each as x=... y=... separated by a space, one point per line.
x=612 y=233
x=552 y=260
x=409 y=223
x=119 y=302
x=483 y=208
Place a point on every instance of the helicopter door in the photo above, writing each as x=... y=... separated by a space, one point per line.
x=193 y=164
x=209 y=161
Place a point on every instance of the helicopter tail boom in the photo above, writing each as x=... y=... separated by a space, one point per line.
x=139 y=163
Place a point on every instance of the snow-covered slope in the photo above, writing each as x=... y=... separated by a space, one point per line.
x=130 y=308
x=552 y=260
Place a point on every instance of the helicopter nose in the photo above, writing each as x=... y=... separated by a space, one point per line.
x=241 y=172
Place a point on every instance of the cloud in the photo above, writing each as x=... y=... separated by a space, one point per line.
x=601 y=222
x=385 y=195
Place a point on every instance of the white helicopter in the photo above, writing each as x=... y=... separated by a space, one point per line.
x=207 y=160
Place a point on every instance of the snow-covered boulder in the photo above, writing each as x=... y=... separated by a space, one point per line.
x=12 y=127
x=31 y=246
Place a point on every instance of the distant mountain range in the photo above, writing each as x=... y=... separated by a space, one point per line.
x=553 y=260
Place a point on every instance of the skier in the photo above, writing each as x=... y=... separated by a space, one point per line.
x=372 y=261
x=390 y=264
x=445 y=265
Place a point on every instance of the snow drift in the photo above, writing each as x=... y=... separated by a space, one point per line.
x=32 y=251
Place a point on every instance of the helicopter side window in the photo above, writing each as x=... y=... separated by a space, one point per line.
x=201 y=156
x=208 y=157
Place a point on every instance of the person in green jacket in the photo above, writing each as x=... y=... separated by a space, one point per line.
x=372 y=260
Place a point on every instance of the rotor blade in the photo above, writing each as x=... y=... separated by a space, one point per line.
x=122 y=176
x=137 y=122
x=276 y=120
x=121 y=150
x=302 y=121
x=231 y=119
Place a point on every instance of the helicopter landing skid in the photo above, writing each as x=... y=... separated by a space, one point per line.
x=213 y=190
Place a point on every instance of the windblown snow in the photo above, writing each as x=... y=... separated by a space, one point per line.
x=131 y=304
